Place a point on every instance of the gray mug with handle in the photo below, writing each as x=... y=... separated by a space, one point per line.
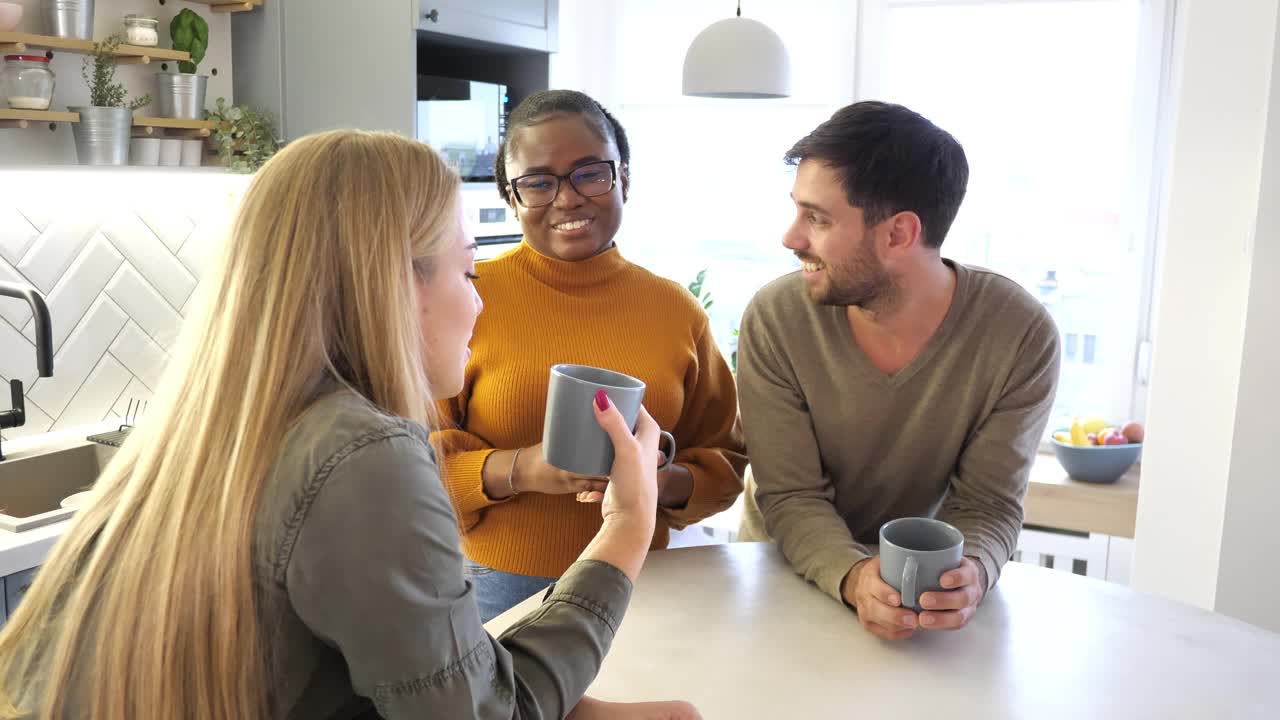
x=914 y=554
x=572 y=440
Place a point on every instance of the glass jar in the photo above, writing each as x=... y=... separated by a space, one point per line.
x=142 y=30
x=27 y=82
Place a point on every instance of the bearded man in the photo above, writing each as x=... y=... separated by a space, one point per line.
x=883 y=380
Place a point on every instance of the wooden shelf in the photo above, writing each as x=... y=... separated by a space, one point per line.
x=15 y=42
x=172 y=127
x=142 y=125
x=25 y=118
x=228 y=6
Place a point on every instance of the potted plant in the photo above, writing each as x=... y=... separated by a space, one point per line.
x=102 y=135
x=244 y=137
x=696 y=287
x=181 y=94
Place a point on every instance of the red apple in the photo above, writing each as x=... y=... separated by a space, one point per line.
x=1093 y=438
x=1116 y=439
x=1133 y=432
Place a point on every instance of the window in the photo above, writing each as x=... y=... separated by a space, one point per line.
x=1055 y=102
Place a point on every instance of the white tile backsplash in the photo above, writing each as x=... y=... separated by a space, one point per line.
x=13 y=310
x=37 y=422
x=140 y=354
x=170 y=225
x=136 y=393
x=148 y=254
x=118 y=261
x=141 y=302
x=202 y=243
x=101 y=389
x=39 y=212
x=18 y=359
x=55 y=249
x=17 y=234
x=77 y=289
x=79 y=356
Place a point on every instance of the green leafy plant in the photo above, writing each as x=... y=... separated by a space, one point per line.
x=695 y=287
x=99 y=72
x=244 y=137
x=190 y=34
x=733 y=356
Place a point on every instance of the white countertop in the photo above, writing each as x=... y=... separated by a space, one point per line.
x=23 y=550
x=732 y=629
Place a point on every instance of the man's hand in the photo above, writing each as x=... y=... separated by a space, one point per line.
x=952 y=608
x=879 y=606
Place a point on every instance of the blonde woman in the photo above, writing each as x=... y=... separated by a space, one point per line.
x=274 y=539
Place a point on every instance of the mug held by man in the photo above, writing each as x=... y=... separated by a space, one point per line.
x=914 y=554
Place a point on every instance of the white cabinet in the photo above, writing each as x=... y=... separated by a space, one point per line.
x=529 y=24
x=322 y=64
x=15 y=586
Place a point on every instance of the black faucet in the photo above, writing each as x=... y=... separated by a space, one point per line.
x=17 y=417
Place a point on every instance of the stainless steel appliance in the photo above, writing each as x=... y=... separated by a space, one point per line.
x=464 y=120
x=492 y=221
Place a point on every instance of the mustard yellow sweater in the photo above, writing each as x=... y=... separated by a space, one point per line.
x=605 y=312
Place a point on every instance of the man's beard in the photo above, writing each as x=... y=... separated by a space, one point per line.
x=861 y=281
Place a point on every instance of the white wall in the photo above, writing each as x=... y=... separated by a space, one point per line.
x=1249 y=571
x=587 y=59
x=1200 y=401
x=38 y=145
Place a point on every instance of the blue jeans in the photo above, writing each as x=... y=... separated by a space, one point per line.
x=498 y=592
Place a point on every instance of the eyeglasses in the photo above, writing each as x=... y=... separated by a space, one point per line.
x=591 y=180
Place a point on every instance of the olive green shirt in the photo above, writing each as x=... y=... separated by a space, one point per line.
x=838 y=447
x=364 y=600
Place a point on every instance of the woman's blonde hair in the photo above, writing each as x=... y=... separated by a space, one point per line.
x=146 y=607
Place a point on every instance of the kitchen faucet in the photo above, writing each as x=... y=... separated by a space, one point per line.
x=17 y=417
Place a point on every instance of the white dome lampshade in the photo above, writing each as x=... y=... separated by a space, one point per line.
x=737 y=58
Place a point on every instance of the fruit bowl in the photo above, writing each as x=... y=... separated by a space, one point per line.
x=1096 y=463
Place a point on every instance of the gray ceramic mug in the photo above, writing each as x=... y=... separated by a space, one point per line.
x=915 y=552
x=572 y=440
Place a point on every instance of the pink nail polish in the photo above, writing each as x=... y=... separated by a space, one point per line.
x=602 y=400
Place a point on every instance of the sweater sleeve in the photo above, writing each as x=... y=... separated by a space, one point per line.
x=709 y=441
x=796 y=497
x=990 y=480
x=464 y=455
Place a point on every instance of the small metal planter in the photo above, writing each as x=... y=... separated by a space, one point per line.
x=102 y=135
x=180 y=95
x=69 y=18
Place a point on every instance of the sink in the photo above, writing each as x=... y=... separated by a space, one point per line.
x=32 y=487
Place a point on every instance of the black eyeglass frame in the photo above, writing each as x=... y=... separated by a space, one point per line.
x=613 y=182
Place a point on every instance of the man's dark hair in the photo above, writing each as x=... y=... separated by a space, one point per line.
x=891 y=159
x=545 y=103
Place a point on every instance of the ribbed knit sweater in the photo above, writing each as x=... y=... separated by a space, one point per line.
x=605 y=312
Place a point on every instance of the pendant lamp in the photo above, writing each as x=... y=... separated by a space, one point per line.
x=737 y=58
